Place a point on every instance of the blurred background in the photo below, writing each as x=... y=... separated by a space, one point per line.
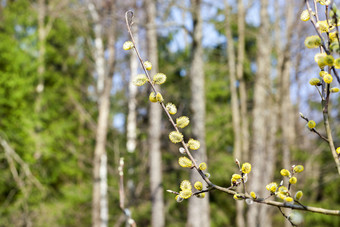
x=68 y=111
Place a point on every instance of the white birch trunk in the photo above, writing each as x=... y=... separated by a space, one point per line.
x=155 y=114
x=237 y=153
x=198 y=210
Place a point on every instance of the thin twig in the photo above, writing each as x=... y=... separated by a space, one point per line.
x=313 y=129
x=129 y=22
x=284 y=215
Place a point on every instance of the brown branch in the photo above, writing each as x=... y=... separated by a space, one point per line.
x=313 y=129
x=284 y=215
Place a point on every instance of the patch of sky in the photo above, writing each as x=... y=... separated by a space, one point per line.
x=119 y=122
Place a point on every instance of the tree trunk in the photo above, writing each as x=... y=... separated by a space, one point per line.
x=260 y=118
x=237 y=154
x=245 y=137
x=199 y=212
x=155 y=113
x=99 y=193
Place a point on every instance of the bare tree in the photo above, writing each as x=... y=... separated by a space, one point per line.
x=104 y=69
x=155 y=113
x=260 y=116
x=199 y=211
x=235 y=109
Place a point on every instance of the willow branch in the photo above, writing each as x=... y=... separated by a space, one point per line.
x=211 y=186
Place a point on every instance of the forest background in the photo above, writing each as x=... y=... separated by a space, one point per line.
x=68 y=111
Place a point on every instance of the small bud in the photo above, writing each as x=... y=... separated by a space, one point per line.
x=175 y=137
x=338 y=150
x=147 y=65
x=127 y=45
x=185 y=185
x=171 y=108
x=201 y=195
x=271 y=187
x=253 y=195
x=198 y=185
x=159 y=97
x=185 y=194
x=159 y=78
x=238 y=197
x=182 y=150
x=337 y=63
x=182 y=121
x=322 y=73
x=334 y=90
x=285 y=173
x=311 y=124
x=185 y=162
x=152 y=97
x=301 y=114
x=289 y=199
x=329 y=60
x=246 y=167
x=293 y=180
x=298 y=169
x=328 y=79
x=305 y=15
x=314 y=81
x=179 y=199
x=249 y=201
x=140 y=80
x=202 y=166
x=207 y=175
x=298 y=195
x=193 y=144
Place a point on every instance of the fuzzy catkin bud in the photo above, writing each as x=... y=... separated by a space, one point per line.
x=338 y=150
x=246 y=167
x=328 y=79
x=298 y=169
x=314 y=81
x=185 y=162
x=128 y=45
x=194 y=144
x=271 y=187
x=152 y=97
x=285 y=173
x=159 y=78
x=185 y=185
x=311 y=124
x=140 y=80
x=305 y=15
x=298 y=195
x=337 y=63
x=238 y=197
x=182 y=121
x=198 y=185
x=201 y=195
x=159 y=97
x=202 y=166
x=175 y=137
x=185 y=194
x=334 y=90
x=293 y=180
x=147 y=65
x=171 y=108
